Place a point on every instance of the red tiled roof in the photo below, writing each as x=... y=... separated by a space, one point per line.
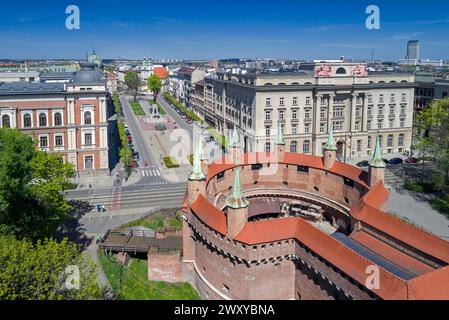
x=209 y=215
x=161 y=72
x=430 y=286
x=325 y=246
x=390 y=253
x=368 y=212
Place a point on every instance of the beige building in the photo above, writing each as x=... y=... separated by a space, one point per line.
x=359 y=106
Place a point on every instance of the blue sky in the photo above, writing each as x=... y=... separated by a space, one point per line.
x=208 y=29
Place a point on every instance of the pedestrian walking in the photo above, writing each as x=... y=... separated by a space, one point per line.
x=98 y=207
x=103 y=207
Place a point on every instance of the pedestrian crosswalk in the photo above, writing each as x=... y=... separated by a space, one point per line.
x=150 y=184
x=150 y=172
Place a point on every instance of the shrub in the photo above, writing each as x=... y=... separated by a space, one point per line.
x=420 y=187
x=178 y=105
x=441 y=204
x=171 y=162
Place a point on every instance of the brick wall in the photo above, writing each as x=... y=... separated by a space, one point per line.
x=164 y=267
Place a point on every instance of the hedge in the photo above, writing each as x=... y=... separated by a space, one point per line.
x=170 y=162
x=178 y=105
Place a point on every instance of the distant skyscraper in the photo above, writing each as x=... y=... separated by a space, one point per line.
x=413 y=50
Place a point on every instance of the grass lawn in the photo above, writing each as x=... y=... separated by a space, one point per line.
x=137 y=108
x=162 y=111
x=131 y=282
x=158 y=221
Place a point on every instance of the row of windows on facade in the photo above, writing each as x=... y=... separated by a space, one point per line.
x=336 y=112
x=324 y=100
x=339 y=126
x=59 y=140
x=306 y=144
x=57 y=120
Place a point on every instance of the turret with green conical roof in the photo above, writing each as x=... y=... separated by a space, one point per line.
x=234 y=141
x=234 y=145
x=376 y=170
x=377 y=161
x=329 y=151
x=236 y=199
x=330 y=141
x=280 y=136
x=237 y=207
x=197 y=173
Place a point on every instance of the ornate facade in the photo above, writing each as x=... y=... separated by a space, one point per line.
x=66 y=118
x=360 y=108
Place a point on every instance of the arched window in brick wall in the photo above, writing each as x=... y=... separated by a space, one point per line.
x=42 y=120
x=58 y=119
x=27 y=121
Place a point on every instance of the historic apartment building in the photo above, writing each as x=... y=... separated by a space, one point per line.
x=358 y=106
x=67 y=118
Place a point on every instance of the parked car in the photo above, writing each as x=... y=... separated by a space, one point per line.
x=130 y=139
x=396 y=161
x=411 y=160
x=363 y=164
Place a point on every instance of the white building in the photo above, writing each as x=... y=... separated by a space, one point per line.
x=359 y=107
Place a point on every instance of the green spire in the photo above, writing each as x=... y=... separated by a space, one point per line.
x=197 y=174
x=280 y=136
x=377 y=161
x=234 y=143
x=202 y=150
x=330 y=141
x=236 y=199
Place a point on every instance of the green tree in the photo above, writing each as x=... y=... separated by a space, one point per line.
x=433 y=124
x=132 y=81
x=154 y=85
x=31 y=182
x=39 y=272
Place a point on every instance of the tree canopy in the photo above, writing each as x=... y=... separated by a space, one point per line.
x=31 y=185
x=434 y=143
x=154 y=84
x=40 y=271
x=132 y=81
